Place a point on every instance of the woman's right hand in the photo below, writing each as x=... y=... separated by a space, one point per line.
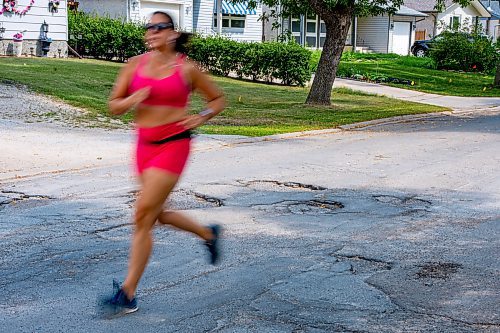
x=139 y=96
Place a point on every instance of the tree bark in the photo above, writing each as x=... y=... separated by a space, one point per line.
x=337 y=27
x=497 y=76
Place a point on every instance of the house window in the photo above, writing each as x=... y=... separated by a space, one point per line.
x=455 y=22
x=322 y=33
x=311 y=30
x=322 y=27
x=295 y=23
x=231 y=21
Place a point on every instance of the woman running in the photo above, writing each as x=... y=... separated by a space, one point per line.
x=158 y=85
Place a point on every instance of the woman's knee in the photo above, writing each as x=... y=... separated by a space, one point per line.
x=146 y=214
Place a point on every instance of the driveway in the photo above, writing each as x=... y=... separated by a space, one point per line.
x=388 y=228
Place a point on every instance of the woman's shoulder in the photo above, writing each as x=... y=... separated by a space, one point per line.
x=133 y=63
x=188 y=64
x=138 y=58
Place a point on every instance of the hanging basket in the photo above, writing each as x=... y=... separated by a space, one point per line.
x=54 y=6
x=10 y=6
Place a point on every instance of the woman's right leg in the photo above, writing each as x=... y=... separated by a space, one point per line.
x=156 y=186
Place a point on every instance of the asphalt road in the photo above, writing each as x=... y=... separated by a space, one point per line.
x=392 y=228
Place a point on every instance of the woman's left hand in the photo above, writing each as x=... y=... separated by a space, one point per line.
x=194 y=121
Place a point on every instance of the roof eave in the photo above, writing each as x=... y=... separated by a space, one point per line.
x=478 y=6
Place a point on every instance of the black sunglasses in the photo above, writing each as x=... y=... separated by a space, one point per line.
x=159 y=26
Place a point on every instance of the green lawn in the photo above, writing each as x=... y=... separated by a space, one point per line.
x=419 y=70
x=253 y=109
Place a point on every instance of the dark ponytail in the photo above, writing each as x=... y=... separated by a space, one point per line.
x=184 y=37
x=182 y=42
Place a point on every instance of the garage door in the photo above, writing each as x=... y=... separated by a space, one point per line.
x=401 y=38
x=148 y=8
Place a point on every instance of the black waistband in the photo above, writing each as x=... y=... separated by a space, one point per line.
x=182 y=135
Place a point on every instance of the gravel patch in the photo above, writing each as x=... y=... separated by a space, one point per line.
x=27 y=106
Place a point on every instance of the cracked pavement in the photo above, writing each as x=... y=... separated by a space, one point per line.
x=390 y=228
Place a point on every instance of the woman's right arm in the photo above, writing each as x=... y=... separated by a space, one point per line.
x=119 y=100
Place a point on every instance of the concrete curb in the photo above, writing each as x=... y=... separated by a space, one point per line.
x=352 y=127
x=343 y=128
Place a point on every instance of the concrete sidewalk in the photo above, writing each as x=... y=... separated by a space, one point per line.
x=453 y=102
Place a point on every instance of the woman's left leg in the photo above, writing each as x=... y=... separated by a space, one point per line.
x=183 y=222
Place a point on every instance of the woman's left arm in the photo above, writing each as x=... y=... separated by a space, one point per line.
x=215 y=101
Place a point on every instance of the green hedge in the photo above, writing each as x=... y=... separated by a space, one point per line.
x=466 y=52
x=106 y=38
x=286 y=62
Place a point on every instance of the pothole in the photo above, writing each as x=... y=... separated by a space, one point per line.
x=275 y=183
x=9 y=198
x=307 y=207
x=437 y=270
x=184 y=200
x=401 y=201
x=361 y=264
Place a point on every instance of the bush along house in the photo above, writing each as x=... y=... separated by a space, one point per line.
x=237 y=21
x=33 y=28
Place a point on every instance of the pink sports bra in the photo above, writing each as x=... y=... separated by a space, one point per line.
x=169 y=91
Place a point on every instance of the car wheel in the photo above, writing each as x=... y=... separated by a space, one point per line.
x=420 y=53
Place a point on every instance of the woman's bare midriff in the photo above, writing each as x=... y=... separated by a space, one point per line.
x=151 y=116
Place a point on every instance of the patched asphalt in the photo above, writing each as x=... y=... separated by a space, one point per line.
x=393 y=228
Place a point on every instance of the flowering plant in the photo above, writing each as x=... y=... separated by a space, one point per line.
x=18 y=37
x=10 y=6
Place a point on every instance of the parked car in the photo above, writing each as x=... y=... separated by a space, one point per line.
x=421 y=47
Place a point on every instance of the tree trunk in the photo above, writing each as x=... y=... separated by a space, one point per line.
x=497 y=76
x=337 y=27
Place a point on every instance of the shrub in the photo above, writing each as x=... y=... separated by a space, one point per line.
x=315 y=56
x=106 y=38
x=463 y=51
x=287 y=62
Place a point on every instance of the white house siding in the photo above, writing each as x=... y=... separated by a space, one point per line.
x=111 y=8
x=251 y=33
x=203 y=15
x=467 y=14
x=349 y=40
x=401 y=19
x=32 y=22
x=373 y=32
x=492 y=28
x=427 y=24
x=181 y=10
x=270 y=34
